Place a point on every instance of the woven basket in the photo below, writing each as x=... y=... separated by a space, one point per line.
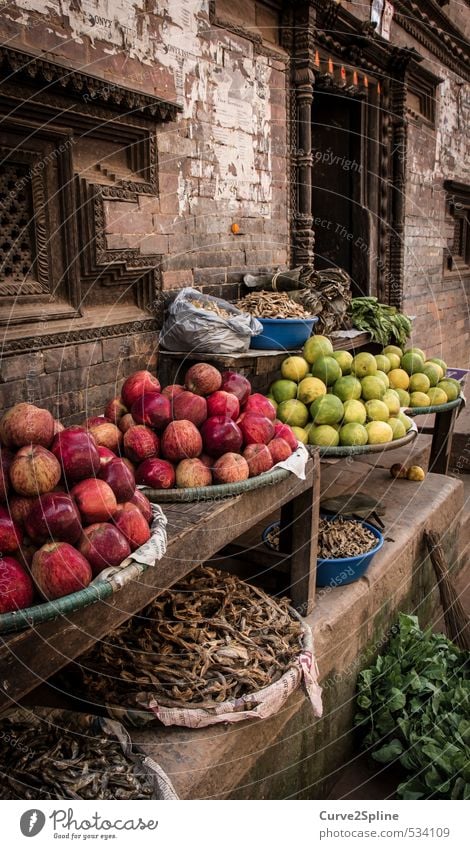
x=355 y=450
x=216 y=491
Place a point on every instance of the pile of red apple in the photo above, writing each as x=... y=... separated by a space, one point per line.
x=71 y=507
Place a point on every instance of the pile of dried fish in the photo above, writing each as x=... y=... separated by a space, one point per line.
x=263 y=304
x=212 y=306
x=41 y=760
x=327 y=294
x=212 y=637
x=343 y=538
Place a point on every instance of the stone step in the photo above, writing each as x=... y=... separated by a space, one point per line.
x=294 y=755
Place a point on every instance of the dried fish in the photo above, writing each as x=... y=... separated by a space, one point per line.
x=343 y=538
x=58 y=763
x=210 y=638
x=272 y=305
x=212 y=306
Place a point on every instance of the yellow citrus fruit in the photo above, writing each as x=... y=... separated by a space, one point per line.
x=377 y=411
x=294 y=368
x=283 y=390
x=273 y=401
x=403 y=396
x=309 y=389
x=406 y=421
x=372 y=387
x=327 y=370
x=323 y=435
x=383 y=362
x=398 y=379
x=419 y=399
x=440 y=363
x=418 y=351
x=347 y=387
x=293 y=413
x=327 y=410
x=301 y=433
x=378 y=432
x=317 y=346
x=344 y=360
x=433 y=373
x=392 y=400
x=450 y=387
x=398 y=428
x=353 y=434
x=394 y=360
x=437 y=396
x=354 y=412
x=412 y=363
x=383 y=377
x=363 y=364
x=419 y=382
x=393 y=349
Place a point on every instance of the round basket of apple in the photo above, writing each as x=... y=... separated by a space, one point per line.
x=73 y=526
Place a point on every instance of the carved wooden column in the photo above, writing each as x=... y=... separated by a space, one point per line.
x=398 y=174
x=302 y=47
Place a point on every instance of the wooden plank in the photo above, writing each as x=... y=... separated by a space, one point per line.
x=299 y=529
x=29 y=658
x=441 y=445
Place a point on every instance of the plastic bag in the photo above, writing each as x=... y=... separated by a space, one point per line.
x=191 y=328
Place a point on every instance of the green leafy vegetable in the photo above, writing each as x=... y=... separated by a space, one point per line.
x=384 y=323
x=414 y=705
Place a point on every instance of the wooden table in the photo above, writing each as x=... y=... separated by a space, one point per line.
x=196 y=532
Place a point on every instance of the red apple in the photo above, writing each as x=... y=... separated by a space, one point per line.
x=181 y=440
x=258 y=458
x=130 y=465
x=106 y=455
x=208 y=461
x=223 y=403
x=115 y=410
x=95 y=499
x=137 y=385
x=107 y=434
x=53 y=516
x=172 y=391
x=24 y=424
x=141 y=501
x=203 y=379
x=140 y=443
x=77 y=453
x=19 y=507
x=191 y=407
x=286 y=432
x=126 y=422
x=256 y=429
x=129 y=520
x=59 y=569
x=16 y=587
x=152 y=409
x=260 y=406
x=230 y=468
x=10 y=533
x=58 y=426
x=6 y=459
x=34 y=470
x=120 y=478
x=191 y=473
x=103 y=545
x=280 y=449
x=155 y=473
x=25 y=553
x=236 y=384
x=221 y=435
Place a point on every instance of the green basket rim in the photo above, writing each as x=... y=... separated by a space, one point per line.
x=29 y=617
x=348 y=450
x=438 y=408
x=216 y=491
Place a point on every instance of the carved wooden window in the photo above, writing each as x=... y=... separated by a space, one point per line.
x=457 y=253
x=421 y=94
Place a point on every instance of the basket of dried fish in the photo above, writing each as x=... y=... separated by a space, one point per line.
x=286 y=324
x=198 y=322
x=211 y=649
x=58 y=754
x=345 y=549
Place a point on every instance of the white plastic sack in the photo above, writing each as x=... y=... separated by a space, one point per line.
x=190 y=328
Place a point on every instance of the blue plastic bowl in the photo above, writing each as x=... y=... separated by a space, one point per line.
x=283 y=334
x=345 y=570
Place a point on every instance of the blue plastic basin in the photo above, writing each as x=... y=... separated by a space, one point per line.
x=345 y=570
x=283 y=334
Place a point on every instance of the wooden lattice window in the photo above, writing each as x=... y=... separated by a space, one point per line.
x=457 y=253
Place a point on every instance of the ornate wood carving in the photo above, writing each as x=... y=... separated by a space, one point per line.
x=89 y=334
x=433 y=29
x=398 y=90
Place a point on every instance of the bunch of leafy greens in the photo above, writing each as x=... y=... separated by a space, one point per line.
x=414 y=703
x=384 y=323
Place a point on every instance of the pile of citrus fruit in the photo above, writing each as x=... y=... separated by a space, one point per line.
x=331 y=398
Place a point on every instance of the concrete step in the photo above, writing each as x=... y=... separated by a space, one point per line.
x=294 y=755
